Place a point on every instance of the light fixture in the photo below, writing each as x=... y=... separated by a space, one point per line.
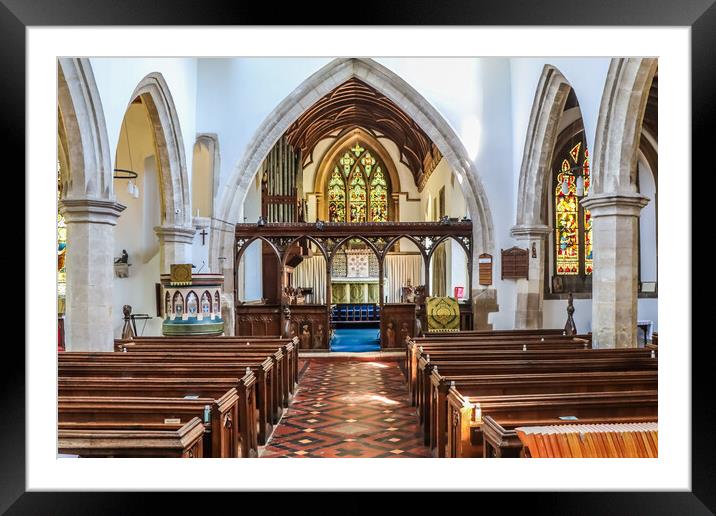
x=123 y=173
x=576 y=172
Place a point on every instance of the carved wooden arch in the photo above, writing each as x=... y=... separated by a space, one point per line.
x=242 y=245
x=325 y=169
x=397 y=239
x=347 y=239
x=324 y=253
x=465 y=246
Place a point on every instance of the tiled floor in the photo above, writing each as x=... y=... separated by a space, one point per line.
x=349 y=408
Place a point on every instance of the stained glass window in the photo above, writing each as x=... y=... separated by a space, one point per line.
x=567 y=222
x=573 y=224
x=358 y=189
x=378 y=197
x=336 y=197
x=61 y=249
x=588 y=263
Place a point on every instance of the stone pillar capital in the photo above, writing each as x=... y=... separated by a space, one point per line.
x=175 y=234
x=92 y=211
x=201 y=222
x=604 y=205
x=530 y=231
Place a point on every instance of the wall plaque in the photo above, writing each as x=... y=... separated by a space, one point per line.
x=484 y=267
x=515 y=263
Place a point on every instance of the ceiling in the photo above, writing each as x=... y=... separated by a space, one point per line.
x=356 y=104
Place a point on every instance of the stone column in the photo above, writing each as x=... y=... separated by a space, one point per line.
x=615 y=225
x=530 y=291
x=89 y=321
x=174 y=245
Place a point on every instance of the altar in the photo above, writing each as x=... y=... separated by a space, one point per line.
x=354 y=276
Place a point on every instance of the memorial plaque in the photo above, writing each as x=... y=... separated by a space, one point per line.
x=515 y=263
x=484 y=263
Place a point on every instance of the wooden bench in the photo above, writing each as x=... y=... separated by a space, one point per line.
x=494 y=362
x=288 y=346
x=246 y=386
x=416 y=347
x=138 y=440
x=219 y=416
x=467 y=432
x=435 y=426
x=156 y=388
x=187 y=365
x=270 y=384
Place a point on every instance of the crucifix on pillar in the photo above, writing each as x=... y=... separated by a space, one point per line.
x=203 y=235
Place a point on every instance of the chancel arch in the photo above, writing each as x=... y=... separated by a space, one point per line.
x=322 y=83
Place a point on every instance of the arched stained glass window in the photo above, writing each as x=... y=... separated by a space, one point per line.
x=61 y=249
x=358 y=189
x=572 y=223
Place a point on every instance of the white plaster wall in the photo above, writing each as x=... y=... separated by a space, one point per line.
x=117 y=78
x=235 y=95
x=555 y=314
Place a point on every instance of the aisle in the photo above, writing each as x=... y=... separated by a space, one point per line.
x=349 y=408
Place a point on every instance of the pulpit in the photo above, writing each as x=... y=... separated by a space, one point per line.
x=192 y=302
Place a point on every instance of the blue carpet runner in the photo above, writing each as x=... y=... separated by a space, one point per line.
x=356 y=339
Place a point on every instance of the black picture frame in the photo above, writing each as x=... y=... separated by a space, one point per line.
x=699 y=15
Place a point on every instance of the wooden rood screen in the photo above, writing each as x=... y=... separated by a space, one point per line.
x=287 y=242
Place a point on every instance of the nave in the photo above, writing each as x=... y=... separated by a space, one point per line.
x=349 y=407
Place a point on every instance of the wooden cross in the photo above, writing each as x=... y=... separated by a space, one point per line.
x=203 y=235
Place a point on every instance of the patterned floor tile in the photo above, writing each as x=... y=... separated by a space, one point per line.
x=348 y=409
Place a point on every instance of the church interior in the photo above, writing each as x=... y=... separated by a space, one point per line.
x=353 y=257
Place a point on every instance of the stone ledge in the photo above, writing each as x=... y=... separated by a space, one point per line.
x=601 y=205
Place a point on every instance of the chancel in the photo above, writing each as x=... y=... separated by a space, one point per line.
x=450 y=265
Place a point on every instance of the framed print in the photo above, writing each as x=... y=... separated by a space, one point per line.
x=351 y=163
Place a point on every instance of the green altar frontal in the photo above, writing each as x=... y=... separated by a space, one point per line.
x=192 y=303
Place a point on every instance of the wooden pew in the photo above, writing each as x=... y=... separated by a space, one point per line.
x=186 y=365
x=415 y=347
x=467 y=431
x=269 y=381
x=136 y=440
x=219 y=416
x=289 y=347
x=246 y=386
x=155 y=388
x=435 y=426
x=493 y=333
x=286 y=361
x=493 y=362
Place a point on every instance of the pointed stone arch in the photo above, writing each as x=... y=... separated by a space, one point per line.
x=310 y=91
x=614 y=201
x=83 y=132
x=621 y=114
x=154 y=93
x=531 y=227
x=88 y=206
x=176 y=233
